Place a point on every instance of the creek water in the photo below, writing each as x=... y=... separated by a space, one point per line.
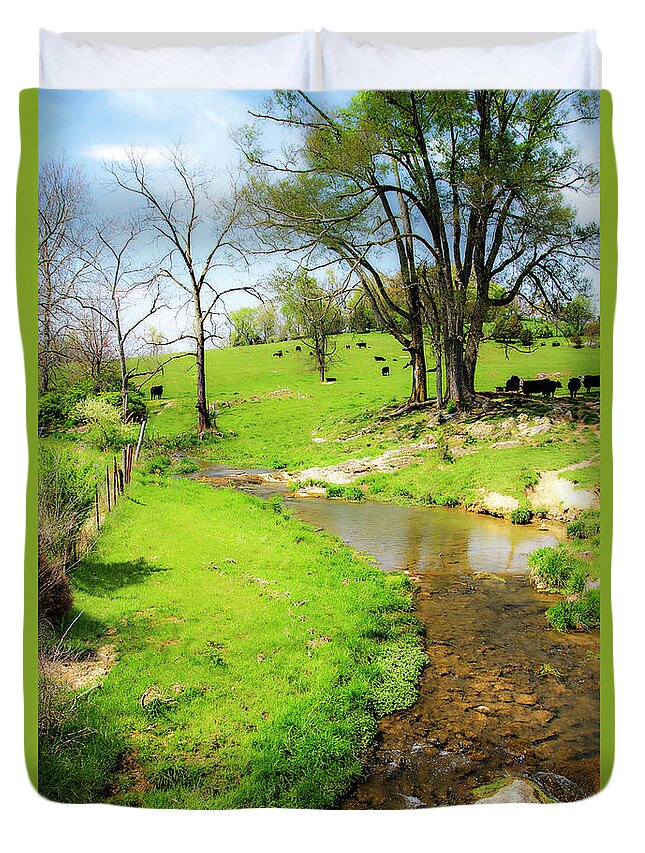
x=502 y=694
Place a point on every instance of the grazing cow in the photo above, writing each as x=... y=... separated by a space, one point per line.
x=591 y=382
x=555 y=344
x=549 y=386
x=278 y=354
x=532 y=386
x=155 y=392
x=385 y=371
x=379 y=358
x=361 y=345
x=330 y=379
x=298 y=349
x=513 y=384
x=348 y=346
x=574 y=386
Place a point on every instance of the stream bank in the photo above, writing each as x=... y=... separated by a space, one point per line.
x=502 y=695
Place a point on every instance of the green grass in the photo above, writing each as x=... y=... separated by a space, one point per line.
x=508 y=471
x=265 y=427
x=253 y=656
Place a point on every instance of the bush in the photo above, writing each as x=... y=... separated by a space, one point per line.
x=104 y=421
x=526 y=337
x=137 y=408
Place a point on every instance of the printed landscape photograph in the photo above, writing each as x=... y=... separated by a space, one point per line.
x=318 y=449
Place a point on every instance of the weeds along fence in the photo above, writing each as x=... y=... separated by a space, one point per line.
x=108 y=491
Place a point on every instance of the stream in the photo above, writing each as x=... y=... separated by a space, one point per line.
x=486 y=707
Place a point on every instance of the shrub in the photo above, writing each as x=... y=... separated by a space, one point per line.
x=104 y=421
x=137 y=408
x=526 y=337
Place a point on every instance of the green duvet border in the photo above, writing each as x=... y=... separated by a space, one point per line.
x=27 y=282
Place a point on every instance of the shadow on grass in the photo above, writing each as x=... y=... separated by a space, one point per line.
x=95 y=577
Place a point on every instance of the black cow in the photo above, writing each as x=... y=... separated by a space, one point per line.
x=591 y=382
x=298 y=349
x=330 y=379
x=155 y=392
x=385 y=371
x=361 y=345
x=348 y=346
x=379 y=358
x=549 y=386
x=533 y=386
x=513 y=384
x=278 y=354
x=574 y=386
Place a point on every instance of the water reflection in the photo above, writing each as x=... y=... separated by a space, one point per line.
x=424 y=539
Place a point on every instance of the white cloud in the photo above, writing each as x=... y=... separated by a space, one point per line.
x=121 y=153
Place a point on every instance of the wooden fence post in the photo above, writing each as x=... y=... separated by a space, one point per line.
x=96 y=506
x=107 y=484
x=140 y=441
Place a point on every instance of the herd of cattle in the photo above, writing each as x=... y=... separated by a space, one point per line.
x=548 y=387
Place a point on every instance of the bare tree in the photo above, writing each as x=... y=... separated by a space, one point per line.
x=62 y=265
x=124 y=293
x=196 y=230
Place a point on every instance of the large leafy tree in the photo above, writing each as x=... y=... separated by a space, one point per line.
x=458 y=193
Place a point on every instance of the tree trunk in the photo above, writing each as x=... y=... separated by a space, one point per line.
x=475 y=334
x=439 y=374
x=203 y=415
x=419 y=393
x=455 y=373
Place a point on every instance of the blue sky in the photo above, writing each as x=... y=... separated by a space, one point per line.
x=93 y=127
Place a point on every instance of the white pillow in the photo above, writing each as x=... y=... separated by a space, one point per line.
x=564 y=62
x=285 y=62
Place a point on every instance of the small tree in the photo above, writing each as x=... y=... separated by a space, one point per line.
x=575 y=315
x=314 y=309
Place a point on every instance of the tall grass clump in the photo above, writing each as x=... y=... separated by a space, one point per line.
x=65 y=499
x=580 y=614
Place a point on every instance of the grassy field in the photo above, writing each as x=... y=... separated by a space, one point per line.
x=248 y=655
x=251 y=660
x=275 y=412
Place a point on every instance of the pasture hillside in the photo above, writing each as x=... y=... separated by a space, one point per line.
x=274 y=411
